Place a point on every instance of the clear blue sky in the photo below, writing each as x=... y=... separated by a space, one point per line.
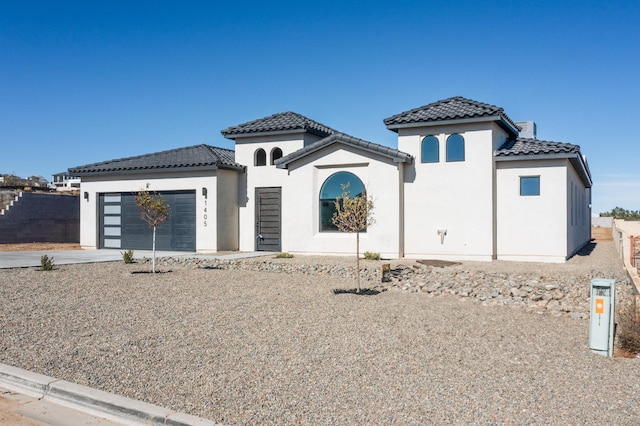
x=89 y=81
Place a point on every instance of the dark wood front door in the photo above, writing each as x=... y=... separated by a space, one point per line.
x=268 y=219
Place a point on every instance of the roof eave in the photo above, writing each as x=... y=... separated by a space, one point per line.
x=149 y=170
x=235 y=136
x=396 y=159
x=501 y=121
x=575 y=158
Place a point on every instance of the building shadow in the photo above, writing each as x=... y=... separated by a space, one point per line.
x=587 y=249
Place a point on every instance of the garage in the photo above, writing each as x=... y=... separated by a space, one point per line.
x=120 y=226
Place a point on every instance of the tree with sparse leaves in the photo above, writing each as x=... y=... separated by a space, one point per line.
x=353 y=215
x=154 y=211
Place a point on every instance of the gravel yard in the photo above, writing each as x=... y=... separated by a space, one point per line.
x=247 y=347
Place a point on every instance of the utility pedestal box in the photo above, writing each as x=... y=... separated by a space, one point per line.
x=601 y=320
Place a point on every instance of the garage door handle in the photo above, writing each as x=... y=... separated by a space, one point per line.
x=260 y=237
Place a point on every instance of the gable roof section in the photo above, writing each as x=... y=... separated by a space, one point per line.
x=533 y=149
x=283 y=122
x=197 y=157
x=456 y=109
x=394 y=154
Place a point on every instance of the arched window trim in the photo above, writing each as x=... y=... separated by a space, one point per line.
x=260 y=157
x=276 y=153
x=326 y=206
x=432 y=156
x=452 y=143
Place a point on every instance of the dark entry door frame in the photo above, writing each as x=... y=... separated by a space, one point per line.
x=268 y=215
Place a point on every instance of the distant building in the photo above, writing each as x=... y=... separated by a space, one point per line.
x=13 y=181
x=65 y=182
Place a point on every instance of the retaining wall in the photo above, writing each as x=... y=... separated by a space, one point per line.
x=41 y=218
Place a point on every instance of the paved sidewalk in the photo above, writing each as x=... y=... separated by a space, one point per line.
x=21 y=410
x=24 y=394
x=26 y=259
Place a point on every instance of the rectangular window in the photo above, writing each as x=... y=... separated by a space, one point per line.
x=529 y=185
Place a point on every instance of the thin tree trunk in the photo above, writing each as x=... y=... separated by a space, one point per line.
x=153 y=262
x=358 y=258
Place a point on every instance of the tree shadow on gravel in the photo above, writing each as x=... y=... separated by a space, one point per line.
x=362 y=292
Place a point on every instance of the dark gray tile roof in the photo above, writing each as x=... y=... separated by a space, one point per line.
x=394 y=154
x=192 y=157
x=525 y=146
x=447 y=109
x=281 y=122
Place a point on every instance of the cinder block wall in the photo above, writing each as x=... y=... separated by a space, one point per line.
x=41 y=218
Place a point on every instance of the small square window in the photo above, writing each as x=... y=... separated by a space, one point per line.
x=529 y=185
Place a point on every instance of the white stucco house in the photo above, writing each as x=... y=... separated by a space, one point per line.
x=466 y=182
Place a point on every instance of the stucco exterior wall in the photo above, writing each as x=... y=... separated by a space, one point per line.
x=454 y=196
x=532 y=228
x=578 y=212
x=301 y=205
x=206 y=234
x=261 y=176
x=227 y=210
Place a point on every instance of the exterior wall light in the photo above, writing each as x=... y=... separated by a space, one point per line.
x=86 y=195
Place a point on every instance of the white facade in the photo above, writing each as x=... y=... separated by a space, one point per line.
x=469 y=208
x=540 y=228
x=301 y=224
x=216 y=213
x=265 y=176
x=449 y=207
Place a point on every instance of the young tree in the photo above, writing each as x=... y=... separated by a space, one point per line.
x=154 y=211
x=353 y=214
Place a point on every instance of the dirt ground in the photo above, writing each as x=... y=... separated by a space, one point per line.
x=40 y=247
x=9 y=417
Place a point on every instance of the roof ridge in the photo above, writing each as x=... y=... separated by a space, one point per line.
x=452 y=108
x=199 y=155
x=280 y=121
x=348 y=139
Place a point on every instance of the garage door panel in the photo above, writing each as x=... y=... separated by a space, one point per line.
x=178 y=233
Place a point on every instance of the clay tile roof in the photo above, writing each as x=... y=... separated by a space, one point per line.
x=394 y=154
x=192 y=157
x=281 y=122
x=448 y=109
x=525 y=146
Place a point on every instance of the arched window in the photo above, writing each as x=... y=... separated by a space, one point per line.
x=455 y=148
x=260 y=157
x=332 y=189
x=275 y=154
x=430 y=150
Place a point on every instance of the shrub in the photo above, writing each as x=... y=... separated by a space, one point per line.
x=127 y=256
x=371 y=255
x=628 y=329
x=284 y=256
x=46 y=263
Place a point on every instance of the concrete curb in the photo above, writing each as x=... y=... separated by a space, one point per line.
x=93 y=401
